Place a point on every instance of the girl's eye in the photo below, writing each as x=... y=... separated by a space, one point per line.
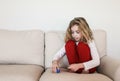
x=77 y=31
x=72 y=32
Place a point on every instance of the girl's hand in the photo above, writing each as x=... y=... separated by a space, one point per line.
x=54 y=66
x=75 y=67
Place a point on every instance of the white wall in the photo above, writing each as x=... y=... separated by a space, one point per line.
x=56 y=14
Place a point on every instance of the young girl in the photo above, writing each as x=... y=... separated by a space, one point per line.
x=79 y=48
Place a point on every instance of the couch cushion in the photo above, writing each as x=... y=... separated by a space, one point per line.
x=54 y=40
x=20 y=72
x=21 y=47
x=67 y=76
x=100 y=40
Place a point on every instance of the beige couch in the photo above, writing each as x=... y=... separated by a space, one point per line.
x=27 y=55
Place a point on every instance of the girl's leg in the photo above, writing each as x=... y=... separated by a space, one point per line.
x=84 y=54
x=71 y=52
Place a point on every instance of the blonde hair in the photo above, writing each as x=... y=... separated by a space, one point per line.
x=82 y=26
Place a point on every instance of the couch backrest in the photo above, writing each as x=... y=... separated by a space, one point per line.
x=54 y=40
x=21 y=47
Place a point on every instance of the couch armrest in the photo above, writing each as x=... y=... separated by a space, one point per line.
x=110 y=67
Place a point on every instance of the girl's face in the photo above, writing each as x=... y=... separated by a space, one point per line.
x=76 y=33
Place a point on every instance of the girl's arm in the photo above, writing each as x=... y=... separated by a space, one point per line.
x=59 y=54
x=95 y=57
x=56 y=59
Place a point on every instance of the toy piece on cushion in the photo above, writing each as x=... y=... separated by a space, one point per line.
x=57 y=70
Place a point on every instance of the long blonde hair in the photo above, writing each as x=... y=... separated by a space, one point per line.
x=82 y=26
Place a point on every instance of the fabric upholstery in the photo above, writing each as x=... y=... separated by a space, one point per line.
x=110 y=67
x=20 y=72
x=21 y=47
x=25 y=54
x=67 y=76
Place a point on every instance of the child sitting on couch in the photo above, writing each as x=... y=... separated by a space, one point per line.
x=79 y=48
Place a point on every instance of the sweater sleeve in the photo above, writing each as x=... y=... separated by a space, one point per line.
x=59 y=54
x=95 y=57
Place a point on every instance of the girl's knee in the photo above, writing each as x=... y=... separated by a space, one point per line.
x=82 y=45
x=71 y=52
x=70 y=43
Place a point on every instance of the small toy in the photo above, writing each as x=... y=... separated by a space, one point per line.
x=57 y=70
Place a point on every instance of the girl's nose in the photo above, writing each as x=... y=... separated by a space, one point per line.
x=75 y=34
